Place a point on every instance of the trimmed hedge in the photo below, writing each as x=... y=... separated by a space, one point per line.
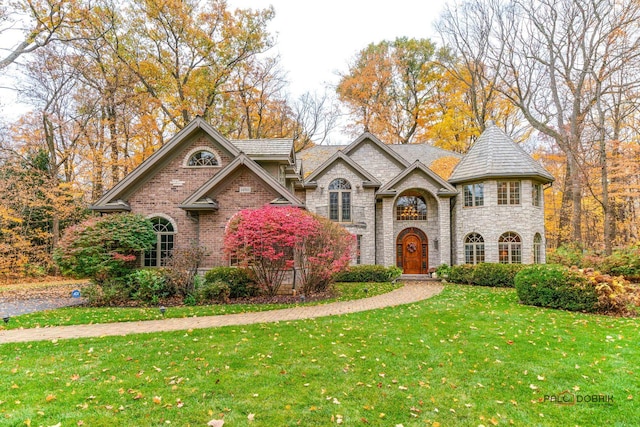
x=239 y=280
x=368 y=273
x=555 y=286
x=501 y=275
x=485 y=274
x=462 y=274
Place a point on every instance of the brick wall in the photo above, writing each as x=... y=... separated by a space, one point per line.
x=166 y=189
x=230 y=201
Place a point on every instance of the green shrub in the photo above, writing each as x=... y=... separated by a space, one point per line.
x=623 y=262
x=556 y=286
x=443 y=270
x=150 y=285
x=462 y=274
x=110 y=293
x=103 y=248
x=239 y=280
x=216 y=291
x=568 y=255
x=368 y=273
x=491 y=274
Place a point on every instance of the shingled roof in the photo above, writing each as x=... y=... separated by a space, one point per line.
x=495 y=155
x=315 y=156
x=279 y=147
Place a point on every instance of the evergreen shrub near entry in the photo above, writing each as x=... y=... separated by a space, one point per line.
x=484 y=274
x=462 y=274
x=368 y=273
x=502 y=275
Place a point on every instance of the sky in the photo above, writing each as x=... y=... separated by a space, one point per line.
x=317 y=39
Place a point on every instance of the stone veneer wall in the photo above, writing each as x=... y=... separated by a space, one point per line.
x=436 y=226
x=492 y=220
x=360 y=197
x=376 y=162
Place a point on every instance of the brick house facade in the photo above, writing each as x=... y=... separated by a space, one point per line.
x=491 y=209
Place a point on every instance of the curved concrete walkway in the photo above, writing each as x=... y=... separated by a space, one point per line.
x=411 y=292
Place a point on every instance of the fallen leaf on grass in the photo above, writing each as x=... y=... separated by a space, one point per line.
x=215 y=423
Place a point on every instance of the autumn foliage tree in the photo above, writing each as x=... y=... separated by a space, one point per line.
x=389 y=86
x=270 y=239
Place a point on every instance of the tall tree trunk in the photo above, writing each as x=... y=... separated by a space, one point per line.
x=53 y=176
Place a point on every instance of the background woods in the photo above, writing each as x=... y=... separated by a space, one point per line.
x=108 y=82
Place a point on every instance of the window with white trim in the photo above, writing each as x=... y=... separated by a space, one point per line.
x=474 y=194
x=508 y=192
x=510 y=248
x=536 y=195
x=474 y=249
x=537 y=248
x=202 y=158
x=161 y=252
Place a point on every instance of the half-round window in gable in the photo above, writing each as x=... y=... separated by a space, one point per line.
x=202 y=158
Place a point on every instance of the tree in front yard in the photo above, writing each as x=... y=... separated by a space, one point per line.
x=104 y=248
x=269 y=239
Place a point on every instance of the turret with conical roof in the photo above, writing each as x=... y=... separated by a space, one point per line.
x=496 y=155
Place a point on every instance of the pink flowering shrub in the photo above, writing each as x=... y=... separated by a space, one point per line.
x=270 y=240
x=326 y=250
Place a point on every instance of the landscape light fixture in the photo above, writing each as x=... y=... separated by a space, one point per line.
x=6 y=319
x=302 y=298
x=366 y=291
x=163 y=310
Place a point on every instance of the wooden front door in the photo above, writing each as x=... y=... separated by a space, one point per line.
x=412 y=251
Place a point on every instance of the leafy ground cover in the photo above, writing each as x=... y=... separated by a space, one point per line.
x=59 y=285
x=88 y=315
x=469 y=356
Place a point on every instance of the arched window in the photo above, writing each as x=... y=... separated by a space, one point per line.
x=473 y=249
x=202 y=158
x=411 y=206
x=510 y=248
x=537 y=248
x=340 y=200
x=157 y=257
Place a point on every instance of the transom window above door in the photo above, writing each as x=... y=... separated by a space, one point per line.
x=340 y=200
x=411 y=206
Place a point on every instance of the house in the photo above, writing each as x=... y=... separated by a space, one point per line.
x=491 y=209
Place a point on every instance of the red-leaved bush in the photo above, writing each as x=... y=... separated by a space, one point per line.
x=271 y=240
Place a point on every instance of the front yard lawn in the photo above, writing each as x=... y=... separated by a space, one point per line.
x=88 y=315
x=469 y=356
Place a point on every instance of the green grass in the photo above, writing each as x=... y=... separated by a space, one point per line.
x=89 y=315
x=469 y=356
